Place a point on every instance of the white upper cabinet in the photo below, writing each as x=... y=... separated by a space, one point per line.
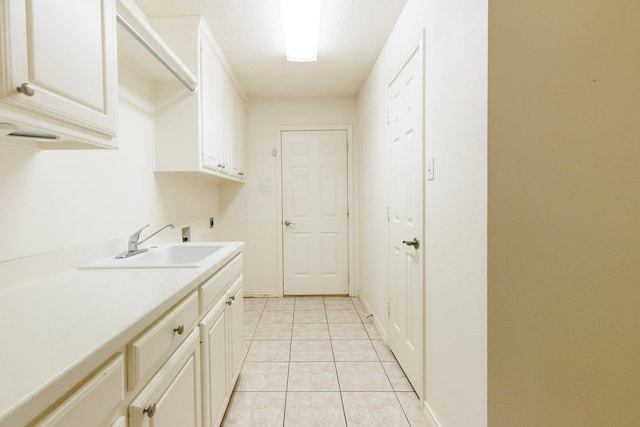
x=202 y=132
x=58 y=87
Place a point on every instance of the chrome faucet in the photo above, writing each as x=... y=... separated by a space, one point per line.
x=134 y=241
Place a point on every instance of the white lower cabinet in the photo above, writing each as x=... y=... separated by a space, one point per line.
x=180 y=371
x=96 y=403
x=213 y=338
x=172 y=397
x=221 y=340
x=234 y=330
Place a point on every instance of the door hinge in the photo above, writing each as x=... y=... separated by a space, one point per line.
x=347 y=148
x=389 y=308
x=347 y=212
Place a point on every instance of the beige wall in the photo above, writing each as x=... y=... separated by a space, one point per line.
x=564 y=213
x=252 y=215
x=455 y=202
x=54 y=200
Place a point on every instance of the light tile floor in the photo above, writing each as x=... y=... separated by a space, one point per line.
x=318 y=361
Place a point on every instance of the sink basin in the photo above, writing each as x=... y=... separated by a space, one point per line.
x=166 y=256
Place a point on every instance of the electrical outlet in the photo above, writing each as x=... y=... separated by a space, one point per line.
x=211 y=222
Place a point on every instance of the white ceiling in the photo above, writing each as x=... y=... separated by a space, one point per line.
x=250 y=34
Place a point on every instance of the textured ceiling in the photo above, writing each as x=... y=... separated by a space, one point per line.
x=250 y=34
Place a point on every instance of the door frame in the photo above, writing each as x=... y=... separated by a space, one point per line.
x=417 y=49
x=351 y=206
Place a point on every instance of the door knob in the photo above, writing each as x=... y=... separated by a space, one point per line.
x=415 y=242
x=288 y=223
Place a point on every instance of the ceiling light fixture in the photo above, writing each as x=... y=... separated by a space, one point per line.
x=301 y=21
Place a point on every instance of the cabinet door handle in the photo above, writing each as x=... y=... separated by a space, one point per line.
x=26 y=89
x=179 y=329
x=229 y=301
x=150 y=410
x=241 y=173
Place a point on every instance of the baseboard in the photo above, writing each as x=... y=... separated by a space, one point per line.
x=376 y=322
x=261 y=295
x=432 y=421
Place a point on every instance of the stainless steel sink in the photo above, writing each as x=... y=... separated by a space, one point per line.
x=183 y=255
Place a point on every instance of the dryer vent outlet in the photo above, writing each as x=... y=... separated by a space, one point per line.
x=186 y=234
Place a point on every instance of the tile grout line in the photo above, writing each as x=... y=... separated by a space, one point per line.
x=335 y=366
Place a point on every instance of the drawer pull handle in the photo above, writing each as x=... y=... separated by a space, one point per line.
x=26 y=89
x=150 y=410
x=233 y=297
x=229 y=301
x=179 y=329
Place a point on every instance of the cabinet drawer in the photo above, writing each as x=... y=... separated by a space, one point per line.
x=95 y=403
x=212 y=288
x=150 y=349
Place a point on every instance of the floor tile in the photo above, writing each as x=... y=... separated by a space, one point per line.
x=273 y=331
x=248 y=330
x=412 y=407
x=255 y=409
x=269 y=351
x=338 y=304
x=365 y=316
x=373 y=409
x=252 y=317
x=310 y=316
x=362 y=376
x=372 y=331
x=280 y=304
x=277 y=316
x=310 y=331
x=311 y=351
x=357 y=303
x=354 y=351
x=342 y=316
x=396 y=376
x=347 y=331
x=383 y=352
x=309 y=304
x=251 y=304
x=263 y=376
x=314 y=409
x=312 y=376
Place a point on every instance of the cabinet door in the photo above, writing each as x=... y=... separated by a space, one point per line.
x=172 y=397
x=64 y=57
x=234 y=329
x=224 y=127
x=215 y=392
x=209 y=121
x=240 y=137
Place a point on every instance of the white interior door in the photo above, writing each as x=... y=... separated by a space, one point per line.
x=314 y=198
x=405 y=193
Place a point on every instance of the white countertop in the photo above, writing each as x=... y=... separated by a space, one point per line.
x=56 y=331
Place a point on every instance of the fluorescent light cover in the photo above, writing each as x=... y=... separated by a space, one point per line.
x=301 y=20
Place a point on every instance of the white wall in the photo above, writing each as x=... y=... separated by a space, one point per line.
x=53 y=200
x=455 y=203
x=251 y=215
